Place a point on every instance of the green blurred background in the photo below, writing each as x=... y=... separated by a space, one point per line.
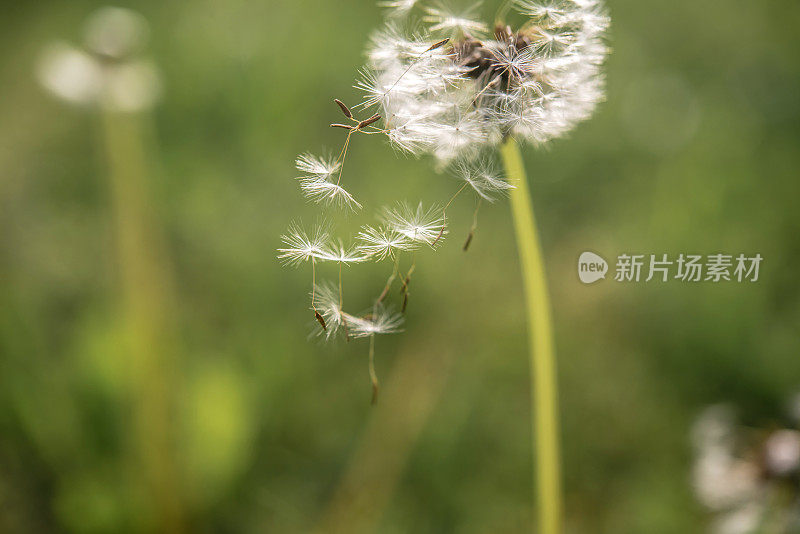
x=695 y=151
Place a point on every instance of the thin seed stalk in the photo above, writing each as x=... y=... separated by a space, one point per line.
x=544 y=396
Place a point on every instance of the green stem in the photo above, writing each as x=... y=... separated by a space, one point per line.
x=146 y=296
x=544 y=396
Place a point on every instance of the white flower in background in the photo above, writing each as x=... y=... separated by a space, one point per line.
x=116 y=32
x=109 y=72
x=747 y=477
x=782 y=452
x=70 y=74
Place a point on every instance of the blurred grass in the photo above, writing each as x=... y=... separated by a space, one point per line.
x=695 y=151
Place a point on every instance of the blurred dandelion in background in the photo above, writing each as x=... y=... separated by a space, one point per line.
x=111 y=74
x=108 y=71
x=747 y=477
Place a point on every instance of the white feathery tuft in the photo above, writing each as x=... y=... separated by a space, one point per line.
x=420 y=225
x=300 y=247
x=483 y=176
x=377 y=321
x=317 y=181
x=380 y=243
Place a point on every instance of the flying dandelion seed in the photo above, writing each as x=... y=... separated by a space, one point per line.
x=419 y=225
x=483 y=177
x=300 y=247
x=380 y=243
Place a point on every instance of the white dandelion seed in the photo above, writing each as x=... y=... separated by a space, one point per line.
x=398 y=8
x=483 y=177
x=444 y=19
x=418 y=225
x=300 y=247
x=379 y=320
x=316 y=167
x=339 y=253
x=380 y=243
x=509 y=59
x=317 y=183
x=535 y=83
x=326 y=297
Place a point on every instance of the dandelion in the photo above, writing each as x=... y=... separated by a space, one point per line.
x=535 y=83
x=456 y=90
x=746 y=476
x=108 y=71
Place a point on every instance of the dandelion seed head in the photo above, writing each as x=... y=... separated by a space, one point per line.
x=536 y=83
x=115 y=32
x=70 y=74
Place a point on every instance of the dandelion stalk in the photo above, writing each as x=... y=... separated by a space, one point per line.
x=544 y=402
x=145 y=291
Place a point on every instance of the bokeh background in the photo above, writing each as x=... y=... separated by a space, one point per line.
x=695 y=151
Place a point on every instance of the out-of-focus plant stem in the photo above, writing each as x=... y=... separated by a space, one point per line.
x=146 y=295
x=544 y=391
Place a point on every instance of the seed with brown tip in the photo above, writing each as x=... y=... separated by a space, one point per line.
x=468 y=241
x=344 y=108
x=320 y=320
x=363 y=124
x=438 y=44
